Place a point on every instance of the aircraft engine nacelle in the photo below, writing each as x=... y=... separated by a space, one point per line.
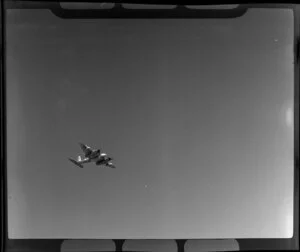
x=99 y=162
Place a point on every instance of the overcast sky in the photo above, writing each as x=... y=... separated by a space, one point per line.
x=196 y=113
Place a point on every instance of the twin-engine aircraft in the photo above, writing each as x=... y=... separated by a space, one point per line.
x=91 y=155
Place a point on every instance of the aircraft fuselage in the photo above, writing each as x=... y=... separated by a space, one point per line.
x=94 y=155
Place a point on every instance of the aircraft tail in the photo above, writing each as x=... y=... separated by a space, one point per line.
x=76 y=163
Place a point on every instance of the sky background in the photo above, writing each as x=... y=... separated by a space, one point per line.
x=198 y=115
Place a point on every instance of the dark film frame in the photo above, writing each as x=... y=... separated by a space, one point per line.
x=179 y=12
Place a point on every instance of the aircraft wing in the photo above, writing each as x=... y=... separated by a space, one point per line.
x=86 y=149
x=111 y=165
x=76 y=163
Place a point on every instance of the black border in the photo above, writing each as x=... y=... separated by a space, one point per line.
x=180 y=12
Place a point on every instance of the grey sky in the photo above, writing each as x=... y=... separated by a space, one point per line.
x=195 y=113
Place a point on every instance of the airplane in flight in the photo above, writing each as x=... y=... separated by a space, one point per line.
x=91 y=155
